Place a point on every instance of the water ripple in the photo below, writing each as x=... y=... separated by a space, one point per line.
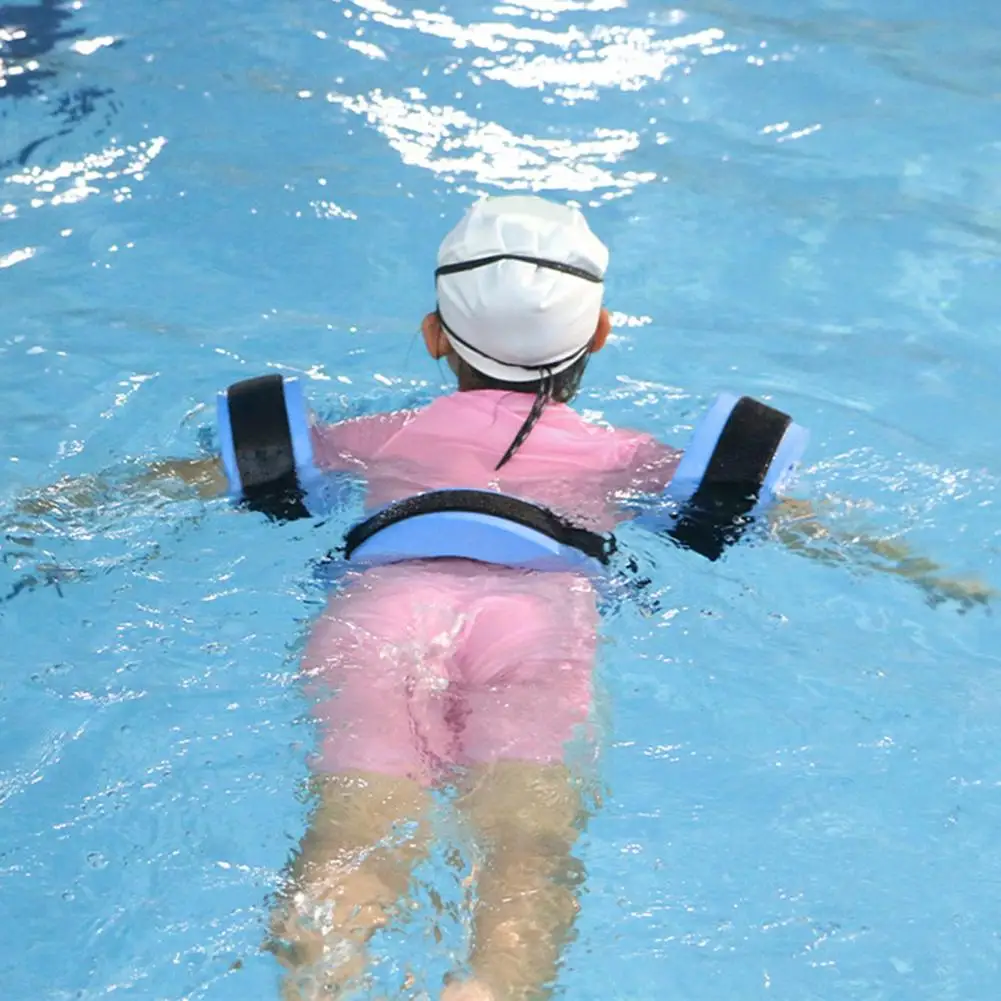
x=74 y=180
x=449 y=141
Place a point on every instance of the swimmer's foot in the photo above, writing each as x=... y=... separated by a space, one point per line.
x=467 y=990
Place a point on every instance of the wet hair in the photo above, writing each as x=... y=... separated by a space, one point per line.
x=559 y=388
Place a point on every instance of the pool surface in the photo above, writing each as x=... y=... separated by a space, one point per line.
x=801 y=775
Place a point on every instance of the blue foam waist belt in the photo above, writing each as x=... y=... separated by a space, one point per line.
x=477 y=524
x=741 y=455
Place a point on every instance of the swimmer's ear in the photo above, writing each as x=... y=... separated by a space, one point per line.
x=434 y=337
x=602 y=331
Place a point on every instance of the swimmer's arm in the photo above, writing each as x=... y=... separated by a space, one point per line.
x=796 y=524
x=340 y=446
x=205 y=475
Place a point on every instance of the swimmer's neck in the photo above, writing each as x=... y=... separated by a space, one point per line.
x=512 y=388
x=473 y=382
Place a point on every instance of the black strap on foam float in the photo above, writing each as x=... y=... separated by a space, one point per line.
x=548 y=523
x=716 y=515
x=262 y=442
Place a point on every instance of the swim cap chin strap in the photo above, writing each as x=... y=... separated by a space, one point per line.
x=544 y=392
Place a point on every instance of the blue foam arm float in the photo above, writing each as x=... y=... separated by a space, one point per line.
x=697 y=457
x=741 y=456
x=266 y=447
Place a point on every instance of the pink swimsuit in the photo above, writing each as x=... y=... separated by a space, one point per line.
x=432 y=664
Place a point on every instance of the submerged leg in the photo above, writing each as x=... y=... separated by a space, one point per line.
x=527 y=666
x=527 y=818
x=374 y=681
x=347 y=879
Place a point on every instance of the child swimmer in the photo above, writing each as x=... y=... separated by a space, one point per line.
x=472 y=673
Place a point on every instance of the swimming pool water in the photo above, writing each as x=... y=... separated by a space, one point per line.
x=801 y=779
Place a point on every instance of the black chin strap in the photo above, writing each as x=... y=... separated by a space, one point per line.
x=541 y=369
x=543 y=395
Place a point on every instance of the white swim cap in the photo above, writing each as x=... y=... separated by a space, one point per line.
x=519 y=285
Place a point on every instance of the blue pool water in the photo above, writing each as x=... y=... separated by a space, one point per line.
x=803 y=202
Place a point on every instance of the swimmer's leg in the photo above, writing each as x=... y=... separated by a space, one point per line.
x=527 y=818
x=378 y=702
x=350 y=873
x=527 y=665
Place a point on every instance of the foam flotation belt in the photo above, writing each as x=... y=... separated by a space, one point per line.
x=741 y=454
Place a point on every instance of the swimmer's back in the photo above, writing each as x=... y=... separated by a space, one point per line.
x=566 y=463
